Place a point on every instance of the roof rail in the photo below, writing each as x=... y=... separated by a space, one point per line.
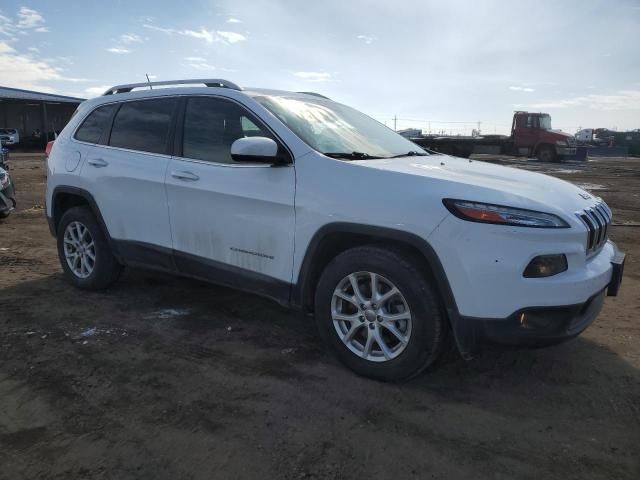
x=209 y=82
x=315 y=95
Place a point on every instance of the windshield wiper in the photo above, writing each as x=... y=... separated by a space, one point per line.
x=351 y=155
x=410 y=153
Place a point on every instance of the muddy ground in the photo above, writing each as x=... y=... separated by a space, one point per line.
x=166 y=378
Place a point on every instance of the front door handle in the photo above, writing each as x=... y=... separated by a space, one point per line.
x=97 y=162
x=185 y=176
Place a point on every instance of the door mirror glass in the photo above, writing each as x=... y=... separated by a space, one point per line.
x=254 y=149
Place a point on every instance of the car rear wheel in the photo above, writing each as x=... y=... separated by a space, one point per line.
x=84 y=251
x=379 y=313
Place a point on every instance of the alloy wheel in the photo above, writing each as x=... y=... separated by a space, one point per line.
x=79 y=249
x=371 y=316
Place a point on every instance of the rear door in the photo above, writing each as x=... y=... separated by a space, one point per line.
x=231 y=222
x=126 y=174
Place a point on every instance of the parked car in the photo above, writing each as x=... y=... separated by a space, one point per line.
x=301 y=199
x=12 y=135
x=4 y=156
x=7 y=194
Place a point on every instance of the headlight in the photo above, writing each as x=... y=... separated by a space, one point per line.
x=501 y=215
x=562 y=143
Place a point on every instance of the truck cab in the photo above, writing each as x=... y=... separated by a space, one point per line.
x=532 y=135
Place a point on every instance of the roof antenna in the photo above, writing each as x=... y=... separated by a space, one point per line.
x=149 y=81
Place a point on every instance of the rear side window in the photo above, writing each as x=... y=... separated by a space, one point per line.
x=93 y=126
x=143 y=125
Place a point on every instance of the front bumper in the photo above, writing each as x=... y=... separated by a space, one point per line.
x=538 y=326
x=566 y=151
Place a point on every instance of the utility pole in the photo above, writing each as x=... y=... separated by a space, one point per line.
x=395 y=122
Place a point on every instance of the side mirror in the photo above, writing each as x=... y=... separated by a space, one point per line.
x=254 y=149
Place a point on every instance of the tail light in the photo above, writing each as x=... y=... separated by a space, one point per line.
x=48 y=148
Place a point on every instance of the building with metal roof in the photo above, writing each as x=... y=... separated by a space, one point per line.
x=37 y=116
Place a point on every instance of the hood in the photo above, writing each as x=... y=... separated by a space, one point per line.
x=453 y=177
x=560 y=133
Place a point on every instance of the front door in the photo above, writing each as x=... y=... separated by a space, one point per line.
x=526 y=132
x=230 y=222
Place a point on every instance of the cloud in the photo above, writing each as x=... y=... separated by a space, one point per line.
x=24 y=71
x=522 y=89
x=6 y=48
x=118 y=50
x=622 y=100
x=233 y=20
x=202 y=66
x=128 y=38
x=6 y=26
x=29 y=18
x=314 y=76
x=368 y=39
x=232 y=37
x=26 y=20
x=34 y=49
x=92 y=92
x=199 y=63
x=204 y=34
x=209 y=36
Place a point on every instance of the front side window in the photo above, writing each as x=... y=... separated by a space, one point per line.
x=96 y=122
x=211 y=125
x=545 y=122
x=337 y=130
x=143 y=125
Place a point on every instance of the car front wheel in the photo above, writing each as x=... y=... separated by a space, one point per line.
x=380 y=313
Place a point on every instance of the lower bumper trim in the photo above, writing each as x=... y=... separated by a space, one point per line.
x=534 y=326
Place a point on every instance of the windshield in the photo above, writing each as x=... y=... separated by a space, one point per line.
x=337 y=130
x=545 y=122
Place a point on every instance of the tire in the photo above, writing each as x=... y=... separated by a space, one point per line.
x=104 y=269
x=426 y=326
x=546 y=153
x=4 y=214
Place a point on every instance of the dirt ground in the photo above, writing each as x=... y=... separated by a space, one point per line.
x=167 y=378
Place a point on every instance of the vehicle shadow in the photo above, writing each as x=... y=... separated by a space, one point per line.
x=160 y=358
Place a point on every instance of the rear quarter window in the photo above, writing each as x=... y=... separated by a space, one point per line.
x=96 y=122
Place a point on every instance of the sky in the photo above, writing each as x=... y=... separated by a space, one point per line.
x=434 y=65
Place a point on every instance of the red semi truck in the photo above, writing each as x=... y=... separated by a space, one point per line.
x=531 y=135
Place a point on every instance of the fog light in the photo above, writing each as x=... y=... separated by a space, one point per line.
x=545 y=266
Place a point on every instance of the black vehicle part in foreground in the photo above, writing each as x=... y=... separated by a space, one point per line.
x=7 y=194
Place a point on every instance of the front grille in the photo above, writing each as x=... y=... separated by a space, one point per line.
x=597 y=219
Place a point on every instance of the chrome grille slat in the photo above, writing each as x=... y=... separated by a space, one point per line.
x=600 y=223
x=607 y=218
x=597 y=219
x=604 y=220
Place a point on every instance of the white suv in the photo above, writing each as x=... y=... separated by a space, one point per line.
x=298 y=198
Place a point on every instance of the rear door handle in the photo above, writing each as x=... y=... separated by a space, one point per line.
x=97 y=162
x=185 y=176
